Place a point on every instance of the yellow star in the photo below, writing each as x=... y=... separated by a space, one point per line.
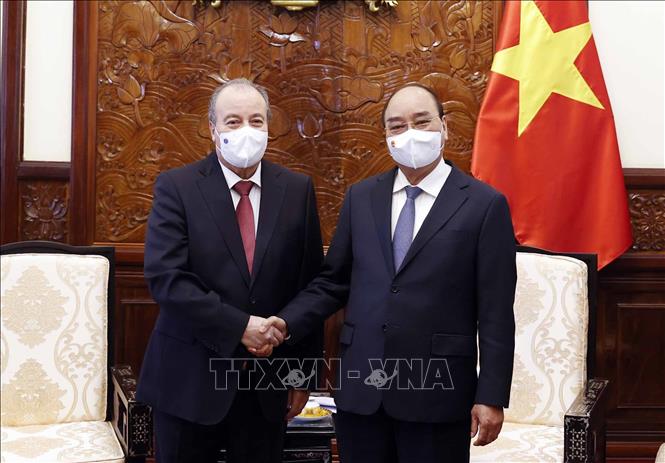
x=544 y=63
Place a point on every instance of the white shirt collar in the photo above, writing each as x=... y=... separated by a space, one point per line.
x=232 y=178
x=431 y=184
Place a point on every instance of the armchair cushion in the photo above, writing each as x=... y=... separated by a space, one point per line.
x=65 y=442
x=53 y=339
x=551 y=319
x=660 y=456
x=523 y=442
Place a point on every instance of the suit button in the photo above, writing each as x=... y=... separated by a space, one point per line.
x=394 y=289
x=384 y=327
x=252 y=300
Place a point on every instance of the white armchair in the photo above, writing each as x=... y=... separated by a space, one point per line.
x=556 y=410
x=58 y=403
x=660 y=456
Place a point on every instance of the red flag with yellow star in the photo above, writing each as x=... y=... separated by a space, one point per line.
x=545 y=135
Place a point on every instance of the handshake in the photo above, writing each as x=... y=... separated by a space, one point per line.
x=264 y=334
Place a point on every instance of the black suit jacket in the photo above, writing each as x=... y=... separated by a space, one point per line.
x=457 y=280
x=197 y=273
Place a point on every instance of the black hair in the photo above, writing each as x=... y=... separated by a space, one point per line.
x=439 y=106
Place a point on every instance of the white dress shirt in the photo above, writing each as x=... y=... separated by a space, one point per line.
x=254 y=194
x=431 y=186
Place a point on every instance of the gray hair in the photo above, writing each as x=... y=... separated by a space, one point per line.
x=212 y=116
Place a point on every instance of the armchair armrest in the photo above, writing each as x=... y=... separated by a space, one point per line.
x=584 y=425
x=132 y=420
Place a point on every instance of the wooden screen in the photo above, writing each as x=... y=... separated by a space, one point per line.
x=328 y=71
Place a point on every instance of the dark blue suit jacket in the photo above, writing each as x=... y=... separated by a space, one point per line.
x=457 y=280
x=197 y=273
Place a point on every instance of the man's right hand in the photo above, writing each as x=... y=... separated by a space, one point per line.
x=276 y=323
x=270 y=324
x=260 y=335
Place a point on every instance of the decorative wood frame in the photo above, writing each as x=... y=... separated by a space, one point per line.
x=47 y=180
x=11 y=115
x=84 y=95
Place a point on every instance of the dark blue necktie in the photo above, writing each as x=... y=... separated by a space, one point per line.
x=404 y=228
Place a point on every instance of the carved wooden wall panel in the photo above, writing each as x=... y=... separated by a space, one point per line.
x=631 y=322
x=43 y=208
x=328 y=71
x=631 y=353
x=647 y=214
x=134 y=317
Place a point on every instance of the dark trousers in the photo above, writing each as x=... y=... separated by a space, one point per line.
x=245 y=433
x=378 y=438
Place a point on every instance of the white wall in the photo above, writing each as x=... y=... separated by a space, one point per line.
x=630 y=40
x=48 y=81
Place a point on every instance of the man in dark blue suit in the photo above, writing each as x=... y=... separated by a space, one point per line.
x=220 y=234
x=423 y=258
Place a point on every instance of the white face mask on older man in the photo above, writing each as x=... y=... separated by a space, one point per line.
x=415 y=148
x=242 y=147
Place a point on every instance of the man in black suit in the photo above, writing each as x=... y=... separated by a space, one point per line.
x=424 y=260
x=220 y=235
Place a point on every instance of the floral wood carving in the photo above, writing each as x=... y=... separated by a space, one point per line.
x=43 y=206
x=647 y=214
x=297 y=5
x=328 y=71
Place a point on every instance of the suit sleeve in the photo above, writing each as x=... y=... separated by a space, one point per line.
x=496 y=279
x=329 y=291
x=180 y=293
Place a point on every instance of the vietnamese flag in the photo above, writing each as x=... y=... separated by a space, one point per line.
x=545 y=136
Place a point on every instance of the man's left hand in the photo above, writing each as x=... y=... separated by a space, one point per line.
x=297 y=400
x=490 y=420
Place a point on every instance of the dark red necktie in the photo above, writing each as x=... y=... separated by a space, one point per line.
x=245 y=216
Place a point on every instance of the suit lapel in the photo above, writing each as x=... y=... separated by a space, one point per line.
x=272 y=194
x=217 y=196
x=382 y=200
x=447 y=203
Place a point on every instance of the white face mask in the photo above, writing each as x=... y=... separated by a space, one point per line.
x=415 y=148
x=242 y=147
